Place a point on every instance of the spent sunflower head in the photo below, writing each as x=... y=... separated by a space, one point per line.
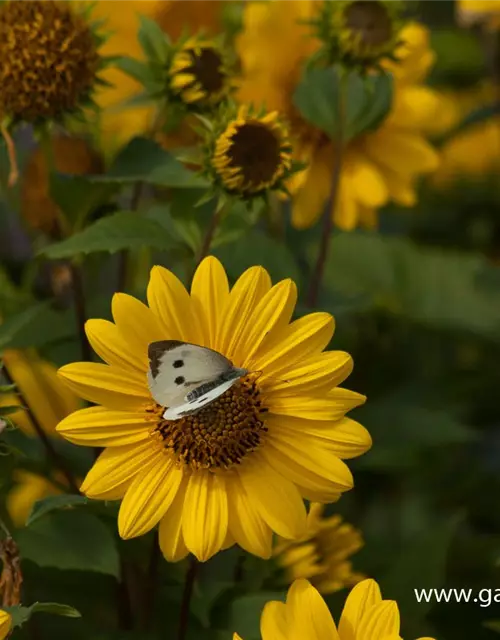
x=248 y=153
x=358 y=33
x=305 y=616
x=241 y=467
x=323 y=554
x=49 y=60
x=5 y=624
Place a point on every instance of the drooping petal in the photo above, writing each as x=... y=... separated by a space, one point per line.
x=273 y=622
x=272 y=312
x=210 y=294
x=149 y=496
x=101 y=427
x=103 y=384
x=244 y=297
x=313 y=376
x=303 y=338
x=170 y=531
x=311 y=617
x=114 y=470
x=171 y=304
x=137 y=323
x=363 y=597
x=205 y=515
x=275 y=498
x=107 y=341
x=248 y=528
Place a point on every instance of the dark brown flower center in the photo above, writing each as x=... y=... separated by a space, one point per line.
x=207 y=68
x=255 y=150
x=370 y=22
x=221 y=434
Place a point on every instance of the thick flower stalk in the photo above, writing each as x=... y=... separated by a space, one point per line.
x=240 y=468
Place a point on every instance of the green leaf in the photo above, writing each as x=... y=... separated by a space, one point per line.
x=145 y=160
x=9 y=409
x=136 y=69
x=20 y=615
x=122 y=230
x=52 y=503
x=37 y=326
x=421 y=565
x=70 y=540
x=13 y=325
x=430 y=286
x=364 y=101
x=153 y=40
x=245 y=612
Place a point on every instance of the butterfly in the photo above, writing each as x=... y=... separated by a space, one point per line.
x=186 y=377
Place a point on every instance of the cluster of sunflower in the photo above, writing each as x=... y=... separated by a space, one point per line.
x=316 y=106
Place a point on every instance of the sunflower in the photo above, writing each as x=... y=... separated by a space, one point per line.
x=49 y=400
x=240 y=468
x=322 y=555
x=305 y=616
x=29 y=488
x=378 y=167
x=5 y=624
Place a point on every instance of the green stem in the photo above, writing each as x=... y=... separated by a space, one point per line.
x=186 y=598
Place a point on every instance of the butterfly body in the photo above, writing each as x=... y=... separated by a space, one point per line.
x=186 y=377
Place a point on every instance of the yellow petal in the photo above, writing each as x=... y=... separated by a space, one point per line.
x=109 y=344
x=247 y=527
x=170 y=532
x=275 y=498
x=368 y=183
x=313 y=376
x=332 y=406
x=307 y=454
x=361 y=599
x=5 y=624
x=303 y=338
x=402 y=151
x=114 y=470
x=380 y=622
x=205 y=515
x=100 y=427
x=103 y=384
x=244 y=297
x=209 y=294
x=273 y=312
x=149 y=496
x=171 y=304
x=137 y=324
x=273 y=622
x=311 y=617
x=309 y=201
x=308 y=481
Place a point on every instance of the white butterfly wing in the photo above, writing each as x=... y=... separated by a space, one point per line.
x=178 y=367
x=188 y=408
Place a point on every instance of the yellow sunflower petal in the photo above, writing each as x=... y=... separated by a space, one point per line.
x=309 y=201
x=317 y=459
x=361 y=599
x=137 y=323
x=114 y=470
x=311 y=617
x=315 y=375
x=274 y=497
x=248 y=528
x=100 y=427
x=210 y=293
x=171 y=304
x=380 y=621
x=312 y=485
x=170 y=532
x=103 y=384
x=205 y=515
x=273 y=622
x=109 y=344
x=5 y=624
x=402 y=151
x=332 y=406
x=369 y=184
x=149 y=496
x=303 y=338
x=244 y=297
x=272 y=312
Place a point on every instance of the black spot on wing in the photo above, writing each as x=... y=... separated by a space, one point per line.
x=180 y=380
x=178 y=364
x=157 y=349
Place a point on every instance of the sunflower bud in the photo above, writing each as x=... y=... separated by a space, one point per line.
x=48 y=60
